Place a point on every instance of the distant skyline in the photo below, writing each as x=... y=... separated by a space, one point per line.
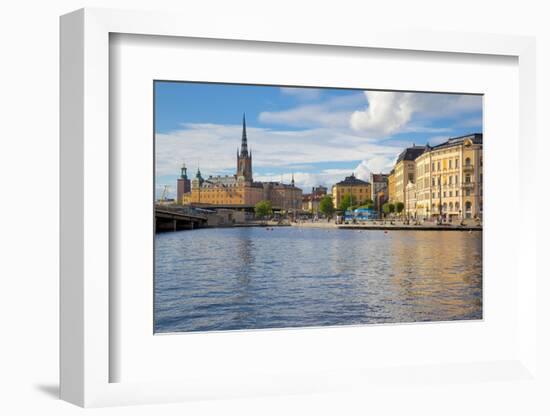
x=320 y=135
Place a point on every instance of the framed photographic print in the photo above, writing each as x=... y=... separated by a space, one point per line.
x=339 y=207
x=284 y=213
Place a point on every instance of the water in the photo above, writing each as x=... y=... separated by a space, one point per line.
x=250 y=278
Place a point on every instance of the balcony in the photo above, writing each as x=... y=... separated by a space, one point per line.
x=468 y=168
x=468 y=185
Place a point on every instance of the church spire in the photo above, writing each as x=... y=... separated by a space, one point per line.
x=244 y=144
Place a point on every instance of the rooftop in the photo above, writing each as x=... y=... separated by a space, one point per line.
x=351 y=181
x=476 y=138
x=410 y=153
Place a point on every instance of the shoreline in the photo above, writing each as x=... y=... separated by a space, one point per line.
x=387 y=227
x=359 y=227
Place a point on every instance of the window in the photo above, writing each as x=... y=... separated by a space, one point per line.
x=444 y=194
x=456 y=193
x=433 y=181
x=433 y=166
x=468 y=178
x=456 y=179
x=438 y=166
x=468 y=162
x=467 y=192
x=450 y=180
x=433 y=195
x=457 y=206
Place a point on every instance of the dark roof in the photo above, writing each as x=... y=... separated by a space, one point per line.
x=352 y=181
x=410 y=153
x=476 y=138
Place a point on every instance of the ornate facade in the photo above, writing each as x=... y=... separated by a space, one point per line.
x=449 y=179
x=240 y=190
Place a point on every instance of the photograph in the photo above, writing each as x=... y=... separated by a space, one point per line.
x=293 y=207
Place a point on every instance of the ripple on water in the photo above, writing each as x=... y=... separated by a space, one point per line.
x=247 y=278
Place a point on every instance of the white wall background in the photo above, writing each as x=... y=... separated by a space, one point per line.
x=29 y=204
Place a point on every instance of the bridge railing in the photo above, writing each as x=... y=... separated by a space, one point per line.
x=180 y=209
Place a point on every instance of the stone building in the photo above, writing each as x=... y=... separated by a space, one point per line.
x=450 y=179
x=240 y=190
x=358 y=189
x=379 y=189
x=311 y=202
x=405 y=171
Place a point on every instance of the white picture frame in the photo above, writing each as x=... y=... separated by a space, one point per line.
x=86 y=263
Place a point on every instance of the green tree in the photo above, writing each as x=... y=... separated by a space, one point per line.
x=399 y=206
x=367 y=203
x=263 y=208
x=347 y=202
x=388 y=208
x=326 y=206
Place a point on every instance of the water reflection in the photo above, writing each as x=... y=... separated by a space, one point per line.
x=244 y=278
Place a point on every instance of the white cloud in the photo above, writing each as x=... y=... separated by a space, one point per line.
x=328 y=177
x=334 y=112
x=392 y=112
x=387 y=112
x=215 y=146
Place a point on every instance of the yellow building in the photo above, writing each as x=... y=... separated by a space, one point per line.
x=358 y=189
x=405 y=171
x=449 y=180
x=410 y=200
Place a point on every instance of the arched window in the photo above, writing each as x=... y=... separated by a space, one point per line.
x=457 y=206
x=445 y=207
x=468 y=161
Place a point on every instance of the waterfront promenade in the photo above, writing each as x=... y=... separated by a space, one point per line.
x=396 y=225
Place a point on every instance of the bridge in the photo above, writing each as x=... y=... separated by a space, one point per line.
x=174 y=218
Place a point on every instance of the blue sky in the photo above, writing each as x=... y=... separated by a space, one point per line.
x=320 y=135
